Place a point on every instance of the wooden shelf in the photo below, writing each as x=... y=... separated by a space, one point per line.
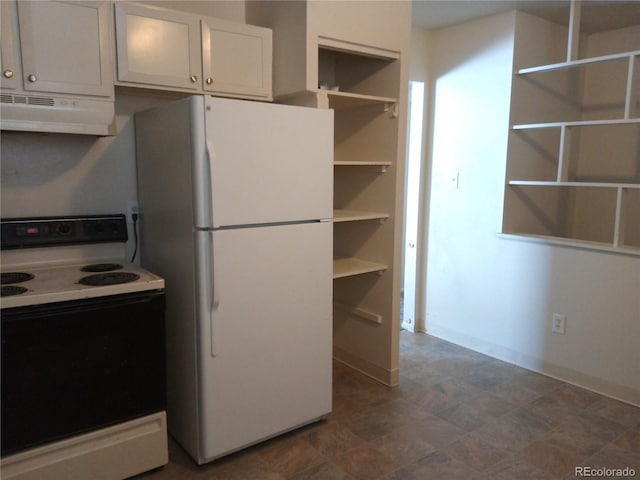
x=346 y=100
x=356 y=48
x=357 y=215
x=537 y=183
x=570 y=242
x=347 y=267
x=361 y=163
x=580 y=123
x=577 y=63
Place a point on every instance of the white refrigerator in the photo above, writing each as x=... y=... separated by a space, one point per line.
x=235 y=213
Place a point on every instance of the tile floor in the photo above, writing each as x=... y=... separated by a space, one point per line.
x=457 y=414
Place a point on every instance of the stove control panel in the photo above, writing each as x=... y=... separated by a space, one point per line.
x=54 y=231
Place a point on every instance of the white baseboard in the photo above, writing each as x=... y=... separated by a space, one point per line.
x=539 y=365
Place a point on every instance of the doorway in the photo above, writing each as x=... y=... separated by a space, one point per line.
x=412 y=205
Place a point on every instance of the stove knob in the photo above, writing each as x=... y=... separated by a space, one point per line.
x=64 y=229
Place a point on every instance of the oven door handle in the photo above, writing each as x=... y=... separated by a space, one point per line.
x=214 y=290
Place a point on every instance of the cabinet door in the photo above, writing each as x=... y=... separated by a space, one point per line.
x=66 y=47
x=157 y=48
x=236 y=59
x=9 y=47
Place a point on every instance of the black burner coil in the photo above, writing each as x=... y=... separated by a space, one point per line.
x=101 y=267
x=111 y=278
x=10 y=290
x=14 y=277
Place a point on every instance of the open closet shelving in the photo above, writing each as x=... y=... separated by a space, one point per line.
x=573 y=168
x=358 y=83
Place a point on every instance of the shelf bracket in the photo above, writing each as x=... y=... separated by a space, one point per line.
x=360 y=313
x=393 y=108
x=383 y=169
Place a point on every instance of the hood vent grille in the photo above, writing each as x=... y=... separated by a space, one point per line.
x=43 y=101
x=27 y=100
x=38 y=113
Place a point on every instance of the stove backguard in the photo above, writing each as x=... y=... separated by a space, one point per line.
x=55 y=231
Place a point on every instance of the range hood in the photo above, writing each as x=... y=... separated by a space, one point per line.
x=40 y=113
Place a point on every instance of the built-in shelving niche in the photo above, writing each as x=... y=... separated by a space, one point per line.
x=366 y=72
x=598 y=153
x=573 y=168
x=361 y=84
x=601 y=89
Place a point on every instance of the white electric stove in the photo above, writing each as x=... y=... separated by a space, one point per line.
x=83 y=352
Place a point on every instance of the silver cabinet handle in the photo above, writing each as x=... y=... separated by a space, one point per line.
x=194 y=78
x=8 y=73
x=209 y=80
x=32 y=78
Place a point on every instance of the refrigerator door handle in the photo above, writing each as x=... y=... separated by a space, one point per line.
x=215 y=301
x=210 y=154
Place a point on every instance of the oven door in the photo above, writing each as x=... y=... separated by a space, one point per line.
x=72 y=367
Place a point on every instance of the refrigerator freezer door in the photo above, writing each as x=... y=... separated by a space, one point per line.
x=270 y=163
x=271 y=368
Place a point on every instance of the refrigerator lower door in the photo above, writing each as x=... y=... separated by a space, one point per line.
x=265 y=346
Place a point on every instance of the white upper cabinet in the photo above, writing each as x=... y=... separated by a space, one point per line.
x=65 y=47
x=157 y=48
x=236 y=58
x=9 y=64
x=166 y=49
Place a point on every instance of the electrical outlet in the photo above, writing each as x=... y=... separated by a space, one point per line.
x=558 y=323
x=132 y=207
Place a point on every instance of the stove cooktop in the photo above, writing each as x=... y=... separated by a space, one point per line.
x=57 y=259
x=58 y=283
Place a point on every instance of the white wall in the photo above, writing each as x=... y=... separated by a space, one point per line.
x=497 y=295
